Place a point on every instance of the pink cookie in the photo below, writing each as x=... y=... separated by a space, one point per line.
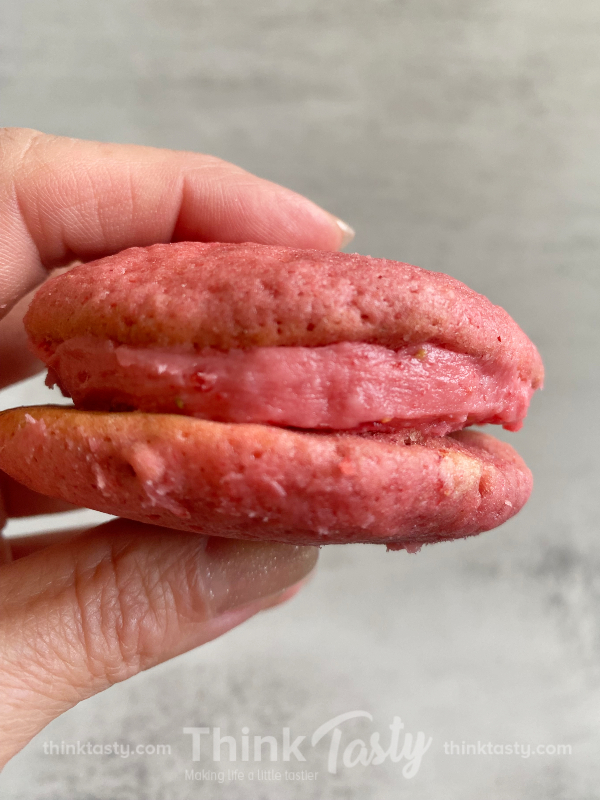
x=262 y=482
x=353 y=352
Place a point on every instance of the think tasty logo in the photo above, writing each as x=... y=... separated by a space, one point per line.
x=399 y=745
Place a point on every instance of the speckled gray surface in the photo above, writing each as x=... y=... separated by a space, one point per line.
x=461 y=135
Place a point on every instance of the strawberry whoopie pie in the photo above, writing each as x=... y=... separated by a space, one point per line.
x=263 y=392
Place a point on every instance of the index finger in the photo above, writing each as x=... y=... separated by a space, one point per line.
x=63 y=199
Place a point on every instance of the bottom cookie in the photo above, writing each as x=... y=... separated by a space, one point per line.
x=261 y=482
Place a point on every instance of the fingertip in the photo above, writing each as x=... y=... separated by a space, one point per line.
x=243 y=572
x=226 y=620
x=245 y=208
x=306 y=225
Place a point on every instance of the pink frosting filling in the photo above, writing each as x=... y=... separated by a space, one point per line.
x=345 y=386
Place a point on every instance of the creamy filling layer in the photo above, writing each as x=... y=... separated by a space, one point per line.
x=343 y=386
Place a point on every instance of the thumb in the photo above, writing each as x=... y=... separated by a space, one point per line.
x=79 y=616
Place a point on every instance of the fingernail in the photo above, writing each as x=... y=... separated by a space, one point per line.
x=348 y=233
x=287 y=594
x=292 y=591
x=279 y=598
x=235 y=573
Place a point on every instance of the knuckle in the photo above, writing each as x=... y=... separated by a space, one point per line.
x=16 y=147
x=207 y=165
x=17 y=137
x=16 y=142
x=125 y=606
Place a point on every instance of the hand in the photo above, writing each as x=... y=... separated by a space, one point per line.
x=81 y=611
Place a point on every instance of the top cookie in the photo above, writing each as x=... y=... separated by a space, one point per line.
x=248 y=295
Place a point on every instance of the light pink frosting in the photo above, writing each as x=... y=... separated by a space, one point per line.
x=345 y=386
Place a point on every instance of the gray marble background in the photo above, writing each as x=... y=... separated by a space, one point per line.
x=460 y=135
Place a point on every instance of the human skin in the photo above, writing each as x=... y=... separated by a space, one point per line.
x=82 y=610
